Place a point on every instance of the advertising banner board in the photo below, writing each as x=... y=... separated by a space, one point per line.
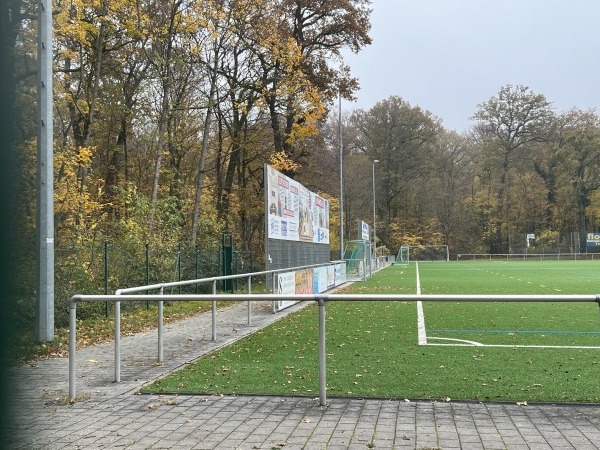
x=593 y=239
x=364 y=231
x=294 y=212
x=308 y=281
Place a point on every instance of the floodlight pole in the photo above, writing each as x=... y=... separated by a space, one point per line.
x=341 y=177
x=375 y=161
x=44 y=324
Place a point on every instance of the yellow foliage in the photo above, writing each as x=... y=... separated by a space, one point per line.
x=282 y=162
x=312 y=109
x=402 y=232
x=77 y=204
x=593 y=210
x=293 y=86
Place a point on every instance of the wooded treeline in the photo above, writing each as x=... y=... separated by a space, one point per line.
x=166 y=111
x=522 y=168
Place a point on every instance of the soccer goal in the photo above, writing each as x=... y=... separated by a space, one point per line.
x=409 y=253
x=358 y=260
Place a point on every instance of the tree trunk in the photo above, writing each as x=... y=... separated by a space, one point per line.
x=204 y=149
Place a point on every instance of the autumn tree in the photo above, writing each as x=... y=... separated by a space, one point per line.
x=168 y=56
x=506 y=125
x=240 y=117
x=578 y=149
x=319 y=31
x=448 y=183
x=400 y=137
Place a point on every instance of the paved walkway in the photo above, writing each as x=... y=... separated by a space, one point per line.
x=112 y=415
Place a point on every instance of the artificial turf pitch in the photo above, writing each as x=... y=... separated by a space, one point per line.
x=534 y=352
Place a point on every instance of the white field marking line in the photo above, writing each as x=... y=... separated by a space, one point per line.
x=465 y=343
x=422 y=334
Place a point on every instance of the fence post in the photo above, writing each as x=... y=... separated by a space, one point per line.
x=214 y=312
x=106 y=276
x=197 y=263
x=249 y=301
x=147 y=271
x=322 y=355
x=179 y=265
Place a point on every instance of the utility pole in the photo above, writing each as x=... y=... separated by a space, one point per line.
x=44 y=323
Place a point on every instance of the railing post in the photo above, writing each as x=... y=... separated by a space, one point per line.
x=118 y=341
x=160 y=327
x=322 y=355
x=72 y=350
x=214 y=312
x=249 y=301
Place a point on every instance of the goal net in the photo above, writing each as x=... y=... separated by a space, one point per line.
x=409 y=253
x=358 y=260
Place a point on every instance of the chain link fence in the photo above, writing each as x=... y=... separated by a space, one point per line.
x=104 y=267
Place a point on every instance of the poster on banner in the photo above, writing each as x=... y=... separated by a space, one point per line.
x=319 y=279
x=286 y=285
x=330 y=277
x=295 y=213
x=304 y=281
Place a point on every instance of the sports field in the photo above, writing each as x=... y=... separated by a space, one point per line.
x=573 y=325
x=519 y=352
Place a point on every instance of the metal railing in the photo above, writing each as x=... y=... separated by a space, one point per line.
x=126 y=293
x=321 y=299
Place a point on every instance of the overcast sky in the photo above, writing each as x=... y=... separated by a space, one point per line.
x=447 y=56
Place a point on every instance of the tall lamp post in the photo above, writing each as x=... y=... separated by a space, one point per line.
x=375 y=161
x=341 y=179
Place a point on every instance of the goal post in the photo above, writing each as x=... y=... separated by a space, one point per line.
x=358 y=260
x=409 y=253
x=403 y=257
